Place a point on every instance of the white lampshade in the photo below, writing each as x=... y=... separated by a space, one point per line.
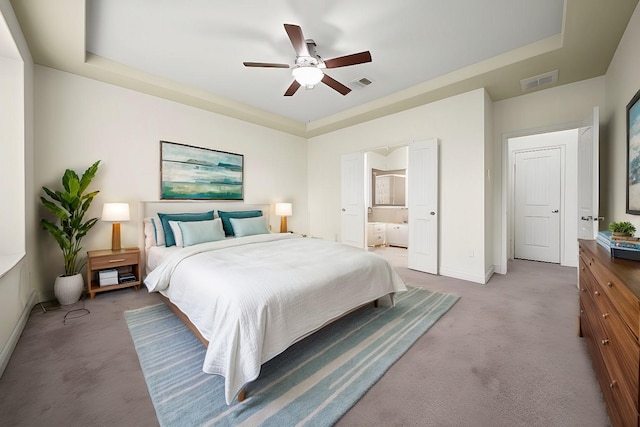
x=307 y=75
x=283 y=209
x=115 y=212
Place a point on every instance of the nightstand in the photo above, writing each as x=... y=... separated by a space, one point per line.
x=124 y=261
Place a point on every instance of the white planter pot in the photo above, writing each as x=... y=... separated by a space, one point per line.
x=68 y=289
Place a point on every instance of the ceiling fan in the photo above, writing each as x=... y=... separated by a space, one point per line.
x=307 y=70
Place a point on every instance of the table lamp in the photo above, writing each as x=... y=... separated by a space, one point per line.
x=284 y=210
x=115 y=212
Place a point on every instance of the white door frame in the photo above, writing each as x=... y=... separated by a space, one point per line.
x=506 y=214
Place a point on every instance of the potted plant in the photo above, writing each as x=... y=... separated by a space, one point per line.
x=70 y=207
x=622 y=228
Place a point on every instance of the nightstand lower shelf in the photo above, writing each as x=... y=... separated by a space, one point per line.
x=123 y=261
x=94 y=288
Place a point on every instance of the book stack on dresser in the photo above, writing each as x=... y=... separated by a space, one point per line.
x=610 y=324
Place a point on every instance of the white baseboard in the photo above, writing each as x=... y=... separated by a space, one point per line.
x=489 y=273
x=6 y=352
x=462 y=275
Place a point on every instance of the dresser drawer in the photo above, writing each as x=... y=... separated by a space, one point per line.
x=114 y=260
x=587 y=281
x=622 y=299
x=621 y=404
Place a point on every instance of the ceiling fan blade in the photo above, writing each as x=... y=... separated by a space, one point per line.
x=265 y=65
x=336 y=85
x=297 y=39
x=293 y=88
x=344 y=61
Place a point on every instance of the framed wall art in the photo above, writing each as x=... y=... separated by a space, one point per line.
x=195 y=173
x=633 y=155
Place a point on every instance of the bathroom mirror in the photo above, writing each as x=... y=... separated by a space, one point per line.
x=388 y=187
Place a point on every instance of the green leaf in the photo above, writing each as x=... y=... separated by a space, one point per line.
x=71 y=182
x=88 y=175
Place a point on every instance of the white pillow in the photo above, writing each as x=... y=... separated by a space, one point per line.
x=249 y=226
x=158 y=231
x=149 y=233
x=194 y=232
x=177 y=232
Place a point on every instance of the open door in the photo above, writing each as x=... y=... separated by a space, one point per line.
x=422 y=177
x=353 y=202
x=588 y=177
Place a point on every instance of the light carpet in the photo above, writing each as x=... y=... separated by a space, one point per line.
x=314 y=382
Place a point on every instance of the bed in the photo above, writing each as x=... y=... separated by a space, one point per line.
x=250 y=296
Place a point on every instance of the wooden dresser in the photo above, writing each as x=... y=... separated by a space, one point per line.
x=610 y=323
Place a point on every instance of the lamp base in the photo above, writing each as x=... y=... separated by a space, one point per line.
x=115 y=237
x=283 y=224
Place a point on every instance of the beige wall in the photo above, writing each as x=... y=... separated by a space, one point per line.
x=623 y=81
x=80 y=120
x=459 y=124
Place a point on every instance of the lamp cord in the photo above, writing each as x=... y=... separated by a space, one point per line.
x=85 y=311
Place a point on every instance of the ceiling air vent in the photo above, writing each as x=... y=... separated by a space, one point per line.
x=361 y=82
x=539 y=80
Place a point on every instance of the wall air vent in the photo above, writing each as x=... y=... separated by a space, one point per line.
x=539 y=80
x=361 y=82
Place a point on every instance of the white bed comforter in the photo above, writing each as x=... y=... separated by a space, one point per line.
x=252 y=297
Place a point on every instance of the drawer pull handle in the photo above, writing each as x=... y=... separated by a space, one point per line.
x=596 y=293
x=609 y=284
x=605 y=315
x=116 y=260
x=605 y=341
x=613 y=384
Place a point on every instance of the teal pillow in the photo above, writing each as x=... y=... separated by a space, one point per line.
x=226 y=216
x=249 y=226
x=195 y=232
x=169 y=238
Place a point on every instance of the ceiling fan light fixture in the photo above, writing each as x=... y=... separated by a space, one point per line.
x=308 y=75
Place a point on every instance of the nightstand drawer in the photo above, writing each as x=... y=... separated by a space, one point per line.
x=114 y=260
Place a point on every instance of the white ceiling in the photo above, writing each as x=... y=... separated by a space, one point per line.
x=422 y=50
x=203 y=43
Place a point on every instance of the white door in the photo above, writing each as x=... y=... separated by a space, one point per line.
x=422 y=182
x=537 y=205
x=352 y=211
x=588 y=176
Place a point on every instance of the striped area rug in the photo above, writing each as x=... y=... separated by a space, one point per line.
x=312 y=383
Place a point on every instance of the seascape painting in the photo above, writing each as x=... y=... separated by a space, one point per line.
x=633 y=155
x=195 y=173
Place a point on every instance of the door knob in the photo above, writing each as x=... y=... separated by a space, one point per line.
x=556 y=211
x=344 y=210
x=432 y=213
